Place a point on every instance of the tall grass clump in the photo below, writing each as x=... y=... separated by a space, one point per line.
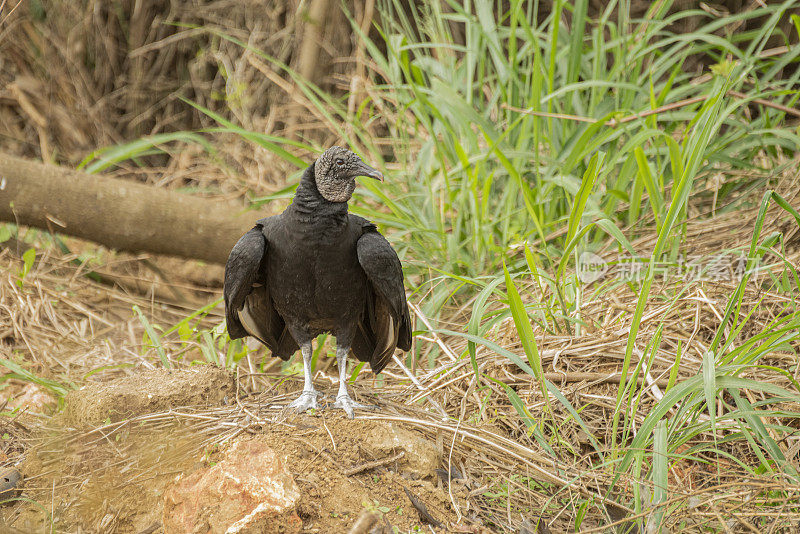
x=495 y=128
x=517 y=137
x=488 y=123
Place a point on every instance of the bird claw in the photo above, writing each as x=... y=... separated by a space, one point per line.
x=346 y=403
x=306 y=401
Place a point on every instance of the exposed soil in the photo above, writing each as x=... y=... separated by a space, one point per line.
x=104 y=463
x=112 y=478
x=332 y=500
x=147 y=392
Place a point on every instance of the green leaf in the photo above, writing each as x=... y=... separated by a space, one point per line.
x=710 y=385
x=756 y=424
x=5 y=233
x=102 y=159
x=155 y=339
x=356 y=370
x=475 y=319
x=653 y=191
x=660 y=470
x=28 y=257
x=17 y=371
x=523 y=326
x=587 y=183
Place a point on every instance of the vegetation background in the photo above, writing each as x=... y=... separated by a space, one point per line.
x=517 y=135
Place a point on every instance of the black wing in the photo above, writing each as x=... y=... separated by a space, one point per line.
x=248 y=306
x=385 y=324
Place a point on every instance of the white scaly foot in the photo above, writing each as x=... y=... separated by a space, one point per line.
x=306 y=401
x=346 y=403
x=343 y=399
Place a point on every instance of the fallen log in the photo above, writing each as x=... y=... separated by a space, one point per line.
x=119 y=214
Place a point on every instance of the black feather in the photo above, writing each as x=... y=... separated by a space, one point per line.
x=246 y=292
x=241 y=272
x=315 y=268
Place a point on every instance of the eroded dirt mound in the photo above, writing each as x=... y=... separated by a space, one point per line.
x=321 y=451
x=106 y=481
x=114 y=477
x=147 y=392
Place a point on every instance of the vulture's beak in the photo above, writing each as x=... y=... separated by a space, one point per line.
x=365 y=170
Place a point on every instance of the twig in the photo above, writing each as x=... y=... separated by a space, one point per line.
x=424 y=515
x=253 y=416
x=171 y=39
x=612 y=122
x=443 y=372
x=447 y=350
x=661 y=109
x=286 y=87
x=10 y=12
x=761 y=101
x=313 y=23
x=329 y=433
x=450 y=473
x=535 y=113
x=372 y=465
x=499 y=443
x=366 y=21
x=581 y=376
x=647 y=113
x=364 y=523
x=152 y=528
x=417 y=383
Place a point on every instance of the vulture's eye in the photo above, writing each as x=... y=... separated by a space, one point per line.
x=340 y=162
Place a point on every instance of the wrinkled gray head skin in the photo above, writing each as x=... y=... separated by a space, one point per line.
x=335 y=173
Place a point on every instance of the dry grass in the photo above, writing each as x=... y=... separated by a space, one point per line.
x=66 y=329
x=78 y=76
x=60 y=325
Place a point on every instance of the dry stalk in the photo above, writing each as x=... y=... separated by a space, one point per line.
x=366 y=466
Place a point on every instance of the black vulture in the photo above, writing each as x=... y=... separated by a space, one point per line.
x=316 y=268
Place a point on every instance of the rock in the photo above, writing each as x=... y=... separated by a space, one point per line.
x=420 y=456
x=10 y=482
x=147 y=392
x=33 y=399
x=248 y=492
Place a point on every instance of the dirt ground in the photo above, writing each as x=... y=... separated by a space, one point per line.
x=112 y=477
x=100 y=459
x=103 y=462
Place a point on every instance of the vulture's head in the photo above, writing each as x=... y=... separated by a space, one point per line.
x=335 y=173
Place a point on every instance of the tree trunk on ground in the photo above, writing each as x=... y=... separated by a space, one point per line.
x=119 y=214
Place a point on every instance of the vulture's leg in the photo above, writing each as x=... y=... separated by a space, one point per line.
x=343 y=399
x=307 y=399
